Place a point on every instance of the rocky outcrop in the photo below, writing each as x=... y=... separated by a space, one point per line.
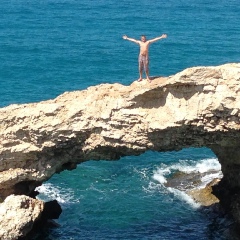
x=197 y=107
x=204 y=195
x=21 y=215
x=17 y=216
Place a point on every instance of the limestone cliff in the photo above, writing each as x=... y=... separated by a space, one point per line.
x=197 y=107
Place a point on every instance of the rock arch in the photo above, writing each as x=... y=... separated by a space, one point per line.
x=197 y=107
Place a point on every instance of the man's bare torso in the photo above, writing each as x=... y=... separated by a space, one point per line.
x=144 y=48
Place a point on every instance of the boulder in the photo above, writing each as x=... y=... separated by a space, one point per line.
x=17 y=216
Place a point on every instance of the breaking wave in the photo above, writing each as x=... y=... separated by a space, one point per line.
x=48 y=192
x=178 y=177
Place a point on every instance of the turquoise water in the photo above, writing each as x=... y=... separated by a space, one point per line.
x=126 y=200
x=52 y=46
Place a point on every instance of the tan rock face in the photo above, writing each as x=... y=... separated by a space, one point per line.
x=17 y=215
x=204 y=195
x=197 y=107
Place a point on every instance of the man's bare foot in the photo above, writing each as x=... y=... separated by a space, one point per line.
x=149 y=80
x=139 y=80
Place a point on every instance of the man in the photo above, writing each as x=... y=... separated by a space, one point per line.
x=143 y=59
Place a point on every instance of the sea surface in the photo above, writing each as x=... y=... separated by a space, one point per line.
x=48 y=47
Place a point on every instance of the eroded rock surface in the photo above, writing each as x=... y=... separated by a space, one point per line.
x=197 y=107
x=204 y=195
x=17 y=216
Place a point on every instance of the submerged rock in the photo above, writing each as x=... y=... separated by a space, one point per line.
x=192 y=185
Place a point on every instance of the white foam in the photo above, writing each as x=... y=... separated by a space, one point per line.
x=159 y=175
x=202 y=166
x=210 y=167
x=184 y=197
x=50 y=192
x=206 y=165
x=141 y=172
x=187 y=166
x=208 y=178
x=151 y=187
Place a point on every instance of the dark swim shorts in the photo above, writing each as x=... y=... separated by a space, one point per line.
x=143 y=62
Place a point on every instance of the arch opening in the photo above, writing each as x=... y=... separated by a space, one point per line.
x=136 y=191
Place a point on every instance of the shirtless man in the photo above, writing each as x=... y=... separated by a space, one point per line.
x=143 y=60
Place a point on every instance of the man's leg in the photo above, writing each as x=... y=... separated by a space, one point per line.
x=146 y=63
x=140 y=68
x=148 y=78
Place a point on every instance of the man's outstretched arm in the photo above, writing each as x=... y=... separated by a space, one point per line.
x=157 y=38
x=130 y=39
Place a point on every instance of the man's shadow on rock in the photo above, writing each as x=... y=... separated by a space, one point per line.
x=155 y=77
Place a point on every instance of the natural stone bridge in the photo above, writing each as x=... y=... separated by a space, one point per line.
x=197 y=107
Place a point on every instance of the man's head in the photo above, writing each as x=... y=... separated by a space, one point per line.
x=143 y=38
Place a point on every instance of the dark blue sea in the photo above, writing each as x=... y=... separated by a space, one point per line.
x=48 y=47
